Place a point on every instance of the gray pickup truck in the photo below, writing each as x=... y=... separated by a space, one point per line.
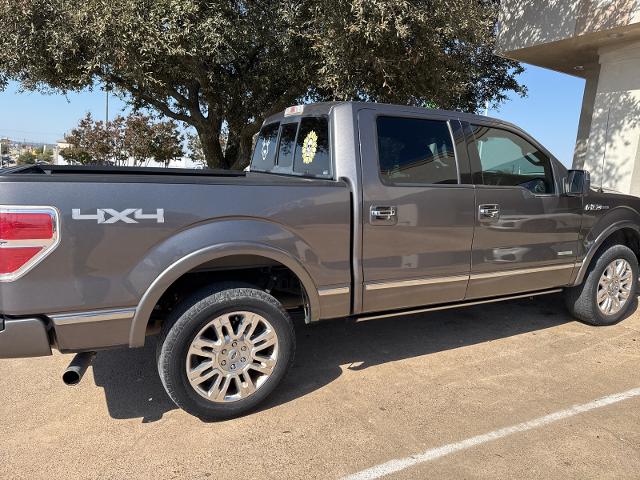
x=349 y=209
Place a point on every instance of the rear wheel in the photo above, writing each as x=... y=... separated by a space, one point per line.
x=609 y=291
x=225 y=351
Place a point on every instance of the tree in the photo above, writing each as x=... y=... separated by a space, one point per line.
x=166 y=142
x=138 y=139
x=135 y=138
x=44 y=154
x=27 y=158
x=145 y=140
x=115 y=135
x=91 y=143
x=219 y=65
x=195 y=149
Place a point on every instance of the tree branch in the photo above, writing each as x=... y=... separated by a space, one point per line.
x=163 y=107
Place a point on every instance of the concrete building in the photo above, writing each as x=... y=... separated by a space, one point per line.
x=598 y=40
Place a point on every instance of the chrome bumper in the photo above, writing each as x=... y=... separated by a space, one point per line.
x=23 y=337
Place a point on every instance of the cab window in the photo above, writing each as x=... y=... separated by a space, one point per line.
x=287 y=145
x=415 y=151
x=312 y=148
x=506 y=159
x=264 y=153
x=299 y=147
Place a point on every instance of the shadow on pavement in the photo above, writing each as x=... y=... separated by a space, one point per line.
x=133 y=389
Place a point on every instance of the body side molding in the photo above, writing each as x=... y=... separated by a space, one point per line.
x=436 y=308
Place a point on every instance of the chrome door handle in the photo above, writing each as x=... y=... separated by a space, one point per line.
x=385 y=215
x=489 y=212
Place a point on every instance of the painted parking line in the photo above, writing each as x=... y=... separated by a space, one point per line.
x=399 y=464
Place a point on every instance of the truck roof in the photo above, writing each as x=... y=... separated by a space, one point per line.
x=324 y=108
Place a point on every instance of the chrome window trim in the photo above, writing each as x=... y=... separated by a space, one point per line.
x=47 y=246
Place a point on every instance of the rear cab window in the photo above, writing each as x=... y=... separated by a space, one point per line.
x=264 y=153
x=297 y=146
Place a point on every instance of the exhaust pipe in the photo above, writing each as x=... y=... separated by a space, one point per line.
x=74 y=372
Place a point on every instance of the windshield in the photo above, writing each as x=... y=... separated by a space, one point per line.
x=294 y=147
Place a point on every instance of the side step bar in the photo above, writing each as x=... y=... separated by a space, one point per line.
x=456 y=305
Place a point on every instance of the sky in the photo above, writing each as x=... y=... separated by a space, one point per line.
x=550 y=112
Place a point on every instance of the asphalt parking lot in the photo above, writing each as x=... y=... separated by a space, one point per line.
x=360 y=395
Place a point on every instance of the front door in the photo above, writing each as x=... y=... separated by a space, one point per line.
x=417 y=216
x=526 y=235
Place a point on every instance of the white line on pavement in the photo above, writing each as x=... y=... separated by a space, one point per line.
x=397 y=465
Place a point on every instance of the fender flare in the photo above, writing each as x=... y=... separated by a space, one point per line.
x=215 y=252
x=597 y=243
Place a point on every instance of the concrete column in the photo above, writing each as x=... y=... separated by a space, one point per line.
x=586 y=115
x=612 y=155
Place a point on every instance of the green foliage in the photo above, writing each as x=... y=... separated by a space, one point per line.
x=228 y=64
x=145 y=140
x=195 y=149
x=136 y=137
x=44 y=154
x=166 y=142
x=27 y=158
x=91 y=143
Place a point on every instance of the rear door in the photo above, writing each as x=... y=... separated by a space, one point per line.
x=418 y=217
x=526 y=231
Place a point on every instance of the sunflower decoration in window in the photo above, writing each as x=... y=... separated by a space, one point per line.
x=309 y=147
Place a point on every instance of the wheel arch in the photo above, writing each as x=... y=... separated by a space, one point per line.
x=624 y=232
x=192 y=261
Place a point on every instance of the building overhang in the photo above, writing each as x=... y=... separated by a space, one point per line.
x=575 y=55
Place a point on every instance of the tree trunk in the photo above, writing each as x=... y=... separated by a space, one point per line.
x=239 y=146
x=209 y=139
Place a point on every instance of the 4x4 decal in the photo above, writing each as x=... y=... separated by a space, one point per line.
x=109 y=215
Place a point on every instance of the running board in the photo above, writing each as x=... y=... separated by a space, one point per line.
x=456 y=305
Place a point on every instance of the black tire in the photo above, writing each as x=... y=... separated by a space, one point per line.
x=582 y=299
x=190 y=318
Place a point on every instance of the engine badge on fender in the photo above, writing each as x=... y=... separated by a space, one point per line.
x=595 y=207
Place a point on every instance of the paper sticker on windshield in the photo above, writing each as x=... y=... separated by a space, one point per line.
x=265 y=148
x=309 y=147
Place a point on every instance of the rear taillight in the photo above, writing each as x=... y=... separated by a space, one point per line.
x=27 y=236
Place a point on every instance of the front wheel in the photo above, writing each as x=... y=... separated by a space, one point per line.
x=609 y=291
x=225 y=351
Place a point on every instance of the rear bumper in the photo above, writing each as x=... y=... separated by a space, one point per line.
x=23 y=337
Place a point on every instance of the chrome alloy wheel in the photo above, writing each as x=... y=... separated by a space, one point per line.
x=614 y=287
x=232 y=356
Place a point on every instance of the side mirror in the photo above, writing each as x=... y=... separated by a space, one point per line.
x=578 y=182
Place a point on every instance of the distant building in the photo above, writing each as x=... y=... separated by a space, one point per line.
x=598 y=40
